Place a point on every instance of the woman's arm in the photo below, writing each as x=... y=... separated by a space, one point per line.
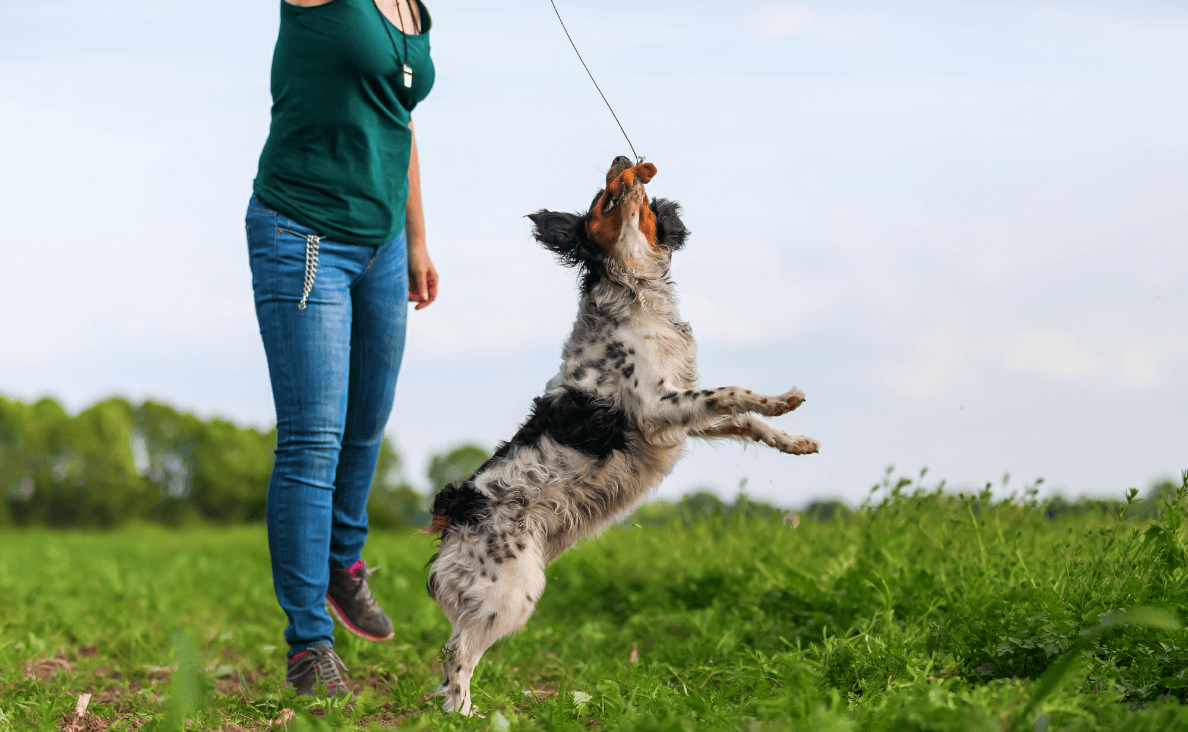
x=422 y=276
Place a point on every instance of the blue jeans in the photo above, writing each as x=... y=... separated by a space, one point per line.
x=334 y=344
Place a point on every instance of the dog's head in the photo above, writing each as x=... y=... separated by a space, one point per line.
x=622 y=231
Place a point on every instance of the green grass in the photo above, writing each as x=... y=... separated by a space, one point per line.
x=922 y=612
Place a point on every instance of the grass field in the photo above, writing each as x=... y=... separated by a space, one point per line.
x=923 y=611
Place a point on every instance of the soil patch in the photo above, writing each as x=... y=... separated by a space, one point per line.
x=386 y=719
x=47 y=668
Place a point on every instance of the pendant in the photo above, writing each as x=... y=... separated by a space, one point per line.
x=407 y=76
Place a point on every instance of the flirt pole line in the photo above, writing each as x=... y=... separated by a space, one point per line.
x=587 y=68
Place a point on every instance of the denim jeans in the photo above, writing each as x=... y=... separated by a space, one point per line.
x=334 y=336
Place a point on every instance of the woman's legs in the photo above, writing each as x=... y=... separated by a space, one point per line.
x=310 y=364
x=380 y=302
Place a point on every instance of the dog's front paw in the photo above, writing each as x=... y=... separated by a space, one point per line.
x=791 y=444
x=782 y=404
x=791 y=400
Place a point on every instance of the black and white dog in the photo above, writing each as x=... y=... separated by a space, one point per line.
x=611 y=425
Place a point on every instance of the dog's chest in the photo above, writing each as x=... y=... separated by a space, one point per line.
x=639 y=355
x=667 y=351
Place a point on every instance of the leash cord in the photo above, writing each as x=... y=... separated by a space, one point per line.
x=587 y=68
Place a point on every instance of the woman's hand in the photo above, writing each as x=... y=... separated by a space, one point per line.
x=422 y=276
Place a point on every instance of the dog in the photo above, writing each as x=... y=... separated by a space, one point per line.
x=611 y=424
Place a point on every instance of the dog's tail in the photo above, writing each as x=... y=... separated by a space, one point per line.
x=458 y=503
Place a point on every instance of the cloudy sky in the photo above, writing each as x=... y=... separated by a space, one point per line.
x=960 y=227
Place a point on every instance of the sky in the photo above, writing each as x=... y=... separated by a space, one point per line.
x=958 y=226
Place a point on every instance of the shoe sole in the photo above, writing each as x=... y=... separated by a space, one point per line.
x=351 y=628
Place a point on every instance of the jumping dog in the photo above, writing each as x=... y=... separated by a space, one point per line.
x=611 y=424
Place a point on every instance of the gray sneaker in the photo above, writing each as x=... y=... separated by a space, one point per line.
x=349 y=600
x=313 y=667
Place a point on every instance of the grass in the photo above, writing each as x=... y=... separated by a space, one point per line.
x=923 y=611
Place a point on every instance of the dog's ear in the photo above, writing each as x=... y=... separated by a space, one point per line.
x=670 y=230
x=563 y=234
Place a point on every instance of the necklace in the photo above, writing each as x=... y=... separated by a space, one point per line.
x=405 y=68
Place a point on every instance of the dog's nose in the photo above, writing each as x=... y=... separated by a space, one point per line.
x=618 y=165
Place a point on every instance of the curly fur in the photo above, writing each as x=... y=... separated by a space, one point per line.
x=611 y=425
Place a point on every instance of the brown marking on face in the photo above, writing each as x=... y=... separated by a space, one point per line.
x=647 y=221
x=605 y=228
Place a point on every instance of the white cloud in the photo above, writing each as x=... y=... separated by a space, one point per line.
x=777 y=19
x=940 y=352
x=1050 y=354
x=953 y=356
x=1141 y=367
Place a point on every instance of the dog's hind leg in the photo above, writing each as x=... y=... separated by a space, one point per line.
x=748 y=427
x=498 y=603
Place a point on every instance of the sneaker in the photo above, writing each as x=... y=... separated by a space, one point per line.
x=316 y=665
x=351 y=603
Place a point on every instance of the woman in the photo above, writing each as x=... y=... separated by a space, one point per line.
x=336 y=238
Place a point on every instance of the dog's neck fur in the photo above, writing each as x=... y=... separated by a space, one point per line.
x=620 y=290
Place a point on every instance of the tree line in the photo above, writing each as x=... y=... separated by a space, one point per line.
x=116 y=462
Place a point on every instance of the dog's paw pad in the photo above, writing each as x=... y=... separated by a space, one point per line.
x=805 y=446
x=791 y=445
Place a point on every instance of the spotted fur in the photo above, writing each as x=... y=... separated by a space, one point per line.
x=611 y=424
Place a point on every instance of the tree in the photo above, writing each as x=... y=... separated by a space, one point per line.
x=232 y=465
x=393 y=503
x=456 y=465
x=98 y=453
x=16 y=472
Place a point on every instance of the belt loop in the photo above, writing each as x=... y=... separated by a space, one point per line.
x=311 y=266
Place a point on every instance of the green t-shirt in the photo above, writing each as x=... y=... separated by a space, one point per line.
x=337 y=154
